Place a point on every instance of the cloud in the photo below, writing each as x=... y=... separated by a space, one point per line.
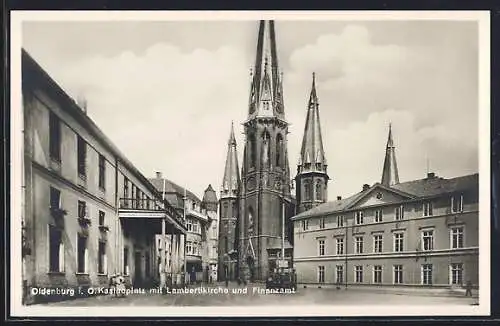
x=166 y=110
x=363 y=86
x=170 y=109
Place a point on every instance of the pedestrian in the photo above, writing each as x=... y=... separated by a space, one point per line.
x=468 y=289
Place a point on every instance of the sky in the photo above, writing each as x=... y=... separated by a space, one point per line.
x=166 y=92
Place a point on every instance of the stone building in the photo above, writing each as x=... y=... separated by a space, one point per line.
x=421 y=232
x=83 y=201
x=200 y=217
x=265 y=200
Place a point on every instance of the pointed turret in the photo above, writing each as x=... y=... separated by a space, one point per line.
x=266 y=90
x=231 y=180
x=312 y=178
x=312 y=154
x=390 y=171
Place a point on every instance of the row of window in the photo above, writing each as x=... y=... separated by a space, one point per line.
x=55 y=142
x=427 y=210
x=193 y=248
x=426 y=242
x=56 y=252
x=193 y=226
x=266 y=147
x=426 y=274
x=308 y=195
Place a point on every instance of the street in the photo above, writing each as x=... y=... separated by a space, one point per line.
x=254 y=296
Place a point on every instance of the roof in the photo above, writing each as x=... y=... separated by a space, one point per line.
x=210 y=196
x=421 y=188
x=173 y=192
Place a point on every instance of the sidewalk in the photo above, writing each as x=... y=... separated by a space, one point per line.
x=439 y=292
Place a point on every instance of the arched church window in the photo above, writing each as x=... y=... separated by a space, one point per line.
x=252 y=145
x=279 y=148
x=319 y=190
x=250 y=220
x=307 y=190
x=266 y=149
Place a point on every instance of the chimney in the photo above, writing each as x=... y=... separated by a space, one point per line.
x=431 y=175
x=339 y=197
x=366 y=187
x=158 y=175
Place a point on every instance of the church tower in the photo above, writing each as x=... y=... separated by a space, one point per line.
x=390 y=174
x=312 y=178
x=265 y=195
x=229 y=212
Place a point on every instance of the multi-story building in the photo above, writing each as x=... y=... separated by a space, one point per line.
x=197 y=222
x=210 y=207
x=83 y=200
x=419 y=232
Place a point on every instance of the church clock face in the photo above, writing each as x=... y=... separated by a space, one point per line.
x=251 y=183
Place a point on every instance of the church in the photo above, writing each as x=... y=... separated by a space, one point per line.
x=255 y=231
x=390 y=233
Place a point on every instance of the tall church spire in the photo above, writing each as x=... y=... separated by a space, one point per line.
x=312 y=178
x=312 y=155
x=266 y=90
x=390 y=171
x=231 y=180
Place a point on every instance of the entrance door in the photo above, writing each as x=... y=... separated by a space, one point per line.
x=138 y=268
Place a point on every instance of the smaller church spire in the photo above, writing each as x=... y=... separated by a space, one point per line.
x=312 y=155
x=390 y=174
x=231 y=180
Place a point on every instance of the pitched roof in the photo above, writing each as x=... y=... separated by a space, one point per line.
x=421 y=188
x=173 y=192
x=210 y=196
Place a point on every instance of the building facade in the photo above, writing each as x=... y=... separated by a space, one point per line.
x=82 y=199
x=265 y=201
x=422 y=232
x=198 y=223
x=210 y=207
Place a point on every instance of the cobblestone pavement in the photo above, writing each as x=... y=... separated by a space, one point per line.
x=255 y=297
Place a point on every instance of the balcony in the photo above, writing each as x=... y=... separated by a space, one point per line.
x=147 y=214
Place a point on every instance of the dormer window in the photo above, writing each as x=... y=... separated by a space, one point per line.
x=399 y=213
x=305 y=225
x=427 y=207
x=457 y=203
x=358 y=217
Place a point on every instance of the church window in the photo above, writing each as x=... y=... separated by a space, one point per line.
x=253 y=153
x=319 y=190
x=307 y=190
x=266 y=154
x=279 y=148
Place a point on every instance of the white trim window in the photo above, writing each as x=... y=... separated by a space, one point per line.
x=377 y=274
x=398 y=274
x=321 y=222
x=56 y=250
x=340 y=221
x=358 y=243
x=305 y=225
x=398 y=242
x=457 y=203
x=189 y=248
x=399 y=213
x=358 y=273
x=378 y=215
x=428 y=240
x=189 y=225
x=457 y=237
x=102 y=259
x=340 y=246
x=339 y=279
x=377 y=243
x=321 y=274
x=358 y=217
x=426 y=274
x=321 y=247
x=81 y=254
x=427 y=208
x=456 y=273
